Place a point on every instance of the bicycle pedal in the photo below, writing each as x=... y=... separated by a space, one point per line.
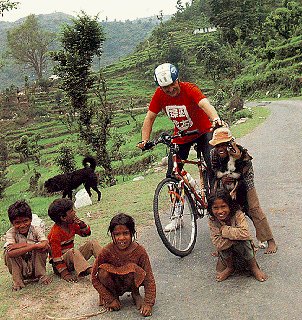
x=200 y=211
x=200 y=215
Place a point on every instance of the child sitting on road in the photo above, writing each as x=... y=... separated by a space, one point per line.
x=26 y=247
x=64 y=257
x=124 y=266
x=230 y=235
x=234 y=171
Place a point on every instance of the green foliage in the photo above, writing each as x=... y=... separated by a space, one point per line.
x=80 y=41
x=220 y=60
x=121 y=40
x=247 y=16
x=244 y=113
x=65 y=159
x=29 y=148
x=6 y=5
x=3 y=151
x=34 y=182
x=4 y=182
x=29 y=43
x=284 y=22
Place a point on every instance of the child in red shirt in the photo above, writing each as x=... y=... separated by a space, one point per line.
x=64 y=257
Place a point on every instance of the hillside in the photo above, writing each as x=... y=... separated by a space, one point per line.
x=121 y=40
x=202 y=57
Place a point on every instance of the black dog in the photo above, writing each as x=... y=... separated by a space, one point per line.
x=68 y=181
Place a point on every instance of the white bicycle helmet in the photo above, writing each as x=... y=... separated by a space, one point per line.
x=165 y=74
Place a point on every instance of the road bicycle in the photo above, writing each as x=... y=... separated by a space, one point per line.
x=179 y=200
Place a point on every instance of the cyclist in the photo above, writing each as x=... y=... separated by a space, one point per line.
x=188 y=108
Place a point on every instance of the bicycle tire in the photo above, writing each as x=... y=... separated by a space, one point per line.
x=180 y=241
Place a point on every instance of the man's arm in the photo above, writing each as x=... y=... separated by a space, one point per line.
x=147 y=127
x=211 y=112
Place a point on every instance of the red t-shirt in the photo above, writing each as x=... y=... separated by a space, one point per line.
x=183 y=110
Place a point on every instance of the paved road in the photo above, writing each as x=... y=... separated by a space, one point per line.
x=186 y=287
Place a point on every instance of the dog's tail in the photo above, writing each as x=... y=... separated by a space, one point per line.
x=91 y=161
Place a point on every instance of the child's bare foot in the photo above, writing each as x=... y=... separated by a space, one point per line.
x=115 y=305
x=259 y=274
x=221 y=276
x=256 y=271
x=220 y=266
x=18 y=286
x=137 y=299
x=45 y=280
x=271 y=247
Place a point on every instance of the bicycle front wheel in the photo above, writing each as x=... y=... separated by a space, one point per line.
x=174 y=215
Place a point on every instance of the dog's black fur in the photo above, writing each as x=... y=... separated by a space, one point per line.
x=68 y=181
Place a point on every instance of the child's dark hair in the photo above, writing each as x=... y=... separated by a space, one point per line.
x=19 y=209
x=122 y=219
x=225 y=196
x=58 y=208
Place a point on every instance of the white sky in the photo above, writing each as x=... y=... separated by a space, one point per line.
x=113 y=9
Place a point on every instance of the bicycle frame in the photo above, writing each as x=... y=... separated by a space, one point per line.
x=200 y=198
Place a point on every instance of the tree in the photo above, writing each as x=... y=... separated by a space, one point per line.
x=4 y=182
x=284 y=22
x=179 y=6
x=248 y=16
x=81 y=41
x=29 y=149
x=3 y=151
x=29 y=43
x=6 y=5
x=3 y=165
x=65 y=159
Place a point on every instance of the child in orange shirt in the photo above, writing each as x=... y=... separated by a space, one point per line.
x=64 y=257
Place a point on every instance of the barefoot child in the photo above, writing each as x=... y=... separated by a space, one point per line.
x=64 y=257
x=26 y=247
x=232 y=164
x=230 y=234
x=124 y=266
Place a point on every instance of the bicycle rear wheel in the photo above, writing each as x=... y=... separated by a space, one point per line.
x=173 y=204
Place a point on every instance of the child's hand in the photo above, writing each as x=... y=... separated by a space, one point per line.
x=43 y=246
x=65 y=275
x=77 y=220
x=115 y=305
x=146 y=310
